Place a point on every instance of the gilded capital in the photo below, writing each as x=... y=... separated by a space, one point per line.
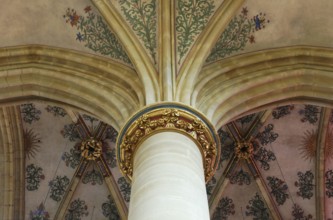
x=168 y=116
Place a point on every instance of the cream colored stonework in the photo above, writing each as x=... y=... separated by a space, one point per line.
x=168 y=180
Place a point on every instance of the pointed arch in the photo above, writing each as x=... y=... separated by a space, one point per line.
x=200 y=50
x=143 y=65
x=227 y=88
x=100 y=86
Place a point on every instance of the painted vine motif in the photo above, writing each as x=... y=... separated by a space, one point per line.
x=89 y=118
x=142 y=17
x=34 y=175
x=305 y=184
x=227 y=146
x=282 y=111
x=93 y=176
x=241 y=177
x=308 y=145
x=268 y=135
x=30 y=113
x=257 y=208
x=31 y=141
x=76 y=210
x=298 y=213
x=246 y=119
x=111 y=134
x=125 y=188
x=238 y=34
x=110 y=155
x=225 y=208
x=191 y=19
x=58 y=187
x=56 y=111
x=329 y=183
x=264 y=156
x=40 y=213
x=109 y=209
x=310 y=114
x=73 y=158
x=278 y=189
x=91 y=123
x=70 y=131
x=95 y=34
x=210 y=186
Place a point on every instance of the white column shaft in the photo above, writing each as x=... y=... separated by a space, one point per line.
x=168 y=180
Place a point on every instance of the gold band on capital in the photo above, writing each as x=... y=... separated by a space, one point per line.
x=168 y=116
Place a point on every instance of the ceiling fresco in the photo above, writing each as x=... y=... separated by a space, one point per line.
x=63 y=176
x=261 y=25
x=257 y=25
x=267 y=167
x=95 y=34
x=274 y=164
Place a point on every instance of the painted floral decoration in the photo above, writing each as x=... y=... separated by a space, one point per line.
x=110 y=209
x=225 y=208
x=58 y=187
x=241 y=177
x=305 y=184
x=310 y=114
x=268 y=135
x=278 y=189
x=30 y=113
x=76 y=210
x=142 y=17
x=329 y=183
x=125 y=188
x=56 y=111
x=210 y=186
x=192 y=16
x=282 y=111
x=34 y=175
x=95 y=34
x=239 y=32
x=70 y=131
x=72 y=159
x=93 y=176
x=257 y=208
x=40 y=213
x=298 y=213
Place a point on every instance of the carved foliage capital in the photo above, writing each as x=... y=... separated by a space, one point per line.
x=160 y=119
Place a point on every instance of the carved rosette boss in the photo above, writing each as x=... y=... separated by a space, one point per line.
x=168 y=117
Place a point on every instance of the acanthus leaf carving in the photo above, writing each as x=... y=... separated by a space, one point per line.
x=169 y=119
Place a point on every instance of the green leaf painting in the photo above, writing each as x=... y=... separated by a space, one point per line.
x=238 y=34
x=191 y=19
x=142 y=17
x=95 y=34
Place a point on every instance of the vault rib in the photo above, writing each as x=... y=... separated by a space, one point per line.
x=320 y=163
x=60 y=214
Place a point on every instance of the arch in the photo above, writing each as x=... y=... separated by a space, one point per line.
x=227 y=89
x=144 y=66
x=107 y=89
x=196 y=57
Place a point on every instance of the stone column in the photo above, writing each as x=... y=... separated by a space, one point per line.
x=168 y=151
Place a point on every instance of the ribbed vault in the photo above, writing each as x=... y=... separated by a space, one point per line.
x=272 y=70
x=251 y=81
x=107 y=89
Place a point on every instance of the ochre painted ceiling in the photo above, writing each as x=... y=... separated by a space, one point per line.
x=259 y=70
